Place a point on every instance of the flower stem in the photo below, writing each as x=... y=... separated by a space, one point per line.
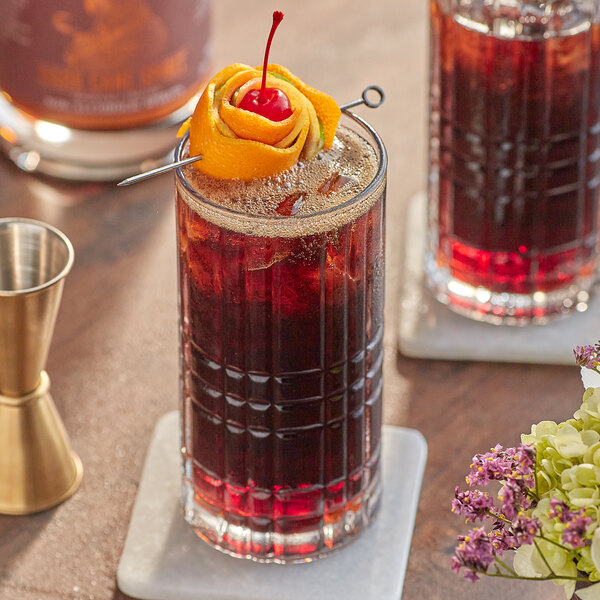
x=499 y=517
x=553 y=542
x=526 y=578
x=544 y=558
x=505 y=566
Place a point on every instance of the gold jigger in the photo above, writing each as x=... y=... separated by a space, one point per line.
x=38 y=469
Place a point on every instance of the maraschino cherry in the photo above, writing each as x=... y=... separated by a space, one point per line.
x=271 y=103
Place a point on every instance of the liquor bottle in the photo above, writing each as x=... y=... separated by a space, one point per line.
x=94 y=89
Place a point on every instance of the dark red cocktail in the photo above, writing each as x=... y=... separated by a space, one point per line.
x=281 y=338
x=514 y=158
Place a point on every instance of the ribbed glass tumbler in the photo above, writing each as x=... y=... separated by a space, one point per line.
x=514 y=170
x=281 y=366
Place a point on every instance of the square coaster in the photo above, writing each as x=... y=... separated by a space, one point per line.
x=428 y=329
x=163 y=559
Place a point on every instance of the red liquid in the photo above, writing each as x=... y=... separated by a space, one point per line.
x=282 y=354
x=514 y=157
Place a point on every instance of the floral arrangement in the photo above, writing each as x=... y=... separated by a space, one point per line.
x=546 y=505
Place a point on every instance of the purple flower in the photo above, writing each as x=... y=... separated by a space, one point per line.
x=524 y=530
x=474 y=553
x=502 y=465
x=587 y=356
x=514 y=468
x=490 y=466
x=456 y=565
x=525 y=459
x=514 y=498
x=574 y=533
x=575 y=521
x=472 y=504
x=471 y=575
x=510 y=495
x=502 y=539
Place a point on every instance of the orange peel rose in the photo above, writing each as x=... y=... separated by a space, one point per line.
x=238 y=144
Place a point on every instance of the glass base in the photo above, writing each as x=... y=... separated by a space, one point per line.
x=270 y=546
x=503 y=308
x=38 y=146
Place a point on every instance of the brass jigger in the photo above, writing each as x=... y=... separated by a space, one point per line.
x=38 y=469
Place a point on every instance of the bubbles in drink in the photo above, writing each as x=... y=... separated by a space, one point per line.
x=351 y=161
x=522 y=19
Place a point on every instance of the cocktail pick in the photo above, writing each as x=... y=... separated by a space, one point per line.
x=364 y=99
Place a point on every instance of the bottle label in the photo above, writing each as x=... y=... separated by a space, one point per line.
x=103 y=63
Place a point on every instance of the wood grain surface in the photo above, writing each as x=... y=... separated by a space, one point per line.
x=113 y=361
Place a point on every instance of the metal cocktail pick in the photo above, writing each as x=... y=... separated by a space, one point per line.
x=38 y=469
x=186 y=161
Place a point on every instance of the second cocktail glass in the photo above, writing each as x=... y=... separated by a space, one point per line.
x=514 y=170
x=281 y=365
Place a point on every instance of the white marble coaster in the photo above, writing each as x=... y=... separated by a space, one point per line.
x=428 y=329
x=164 y=560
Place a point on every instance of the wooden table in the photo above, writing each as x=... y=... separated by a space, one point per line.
x=113 y=361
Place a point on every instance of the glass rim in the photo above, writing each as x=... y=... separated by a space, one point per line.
x=366 y=192
x=58 y=234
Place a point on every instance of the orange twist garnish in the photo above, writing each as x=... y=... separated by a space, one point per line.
x=238 y=144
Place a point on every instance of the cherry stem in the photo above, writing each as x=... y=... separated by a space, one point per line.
x=277 y=18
